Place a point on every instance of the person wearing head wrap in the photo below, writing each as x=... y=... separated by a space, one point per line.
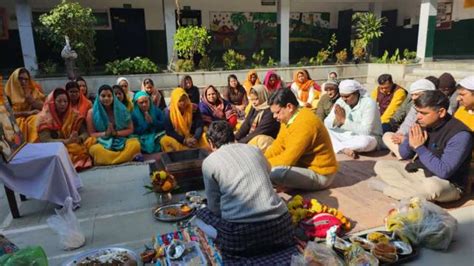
x=213 y=107
x=125 y=85
x=192 y=91
x=325 y=104
x=27 y=100
x=183 y=124
x=389 y=96
x=304 y=90
x=260 y=127
x=110 y=124
x=392 y=140
x=272 y=81
x=251 y=80
x=438 y=150
x=156 y=95
x=78 y=100
x=447 y=85
x=123 y=97
x=354 y=122
x=465 y=91
x=59 y=122
x=148 y=123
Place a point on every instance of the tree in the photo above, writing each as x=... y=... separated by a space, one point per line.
x=72 y=20
x=368 y=28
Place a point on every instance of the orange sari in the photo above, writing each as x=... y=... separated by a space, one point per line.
x=48 y=119
x=304 y=87
x=82 y=106
x=15 y=92
x=248 y=84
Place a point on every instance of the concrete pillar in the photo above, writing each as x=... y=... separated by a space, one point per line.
x=284 y=21
x=170 y=26
x=25 y=29
x=426 y=30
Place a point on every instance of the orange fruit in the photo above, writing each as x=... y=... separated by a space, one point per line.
x=167 y=186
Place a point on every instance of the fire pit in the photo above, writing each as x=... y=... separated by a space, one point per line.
x=186 y=167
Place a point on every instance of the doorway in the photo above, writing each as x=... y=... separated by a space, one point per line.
x=128 y=25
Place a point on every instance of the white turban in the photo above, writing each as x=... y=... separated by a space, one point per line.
x=422 y=85
x=349 y=86
x=468 y=83
x=121 y=79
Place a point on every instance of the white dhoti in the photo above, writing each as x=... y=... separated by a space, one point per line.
x=347 y=140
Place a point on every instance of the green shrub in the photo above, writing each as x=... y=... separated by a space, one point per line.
x=183 y=65
x=48 y=67
x=304 y=61
x=341 y=56
x=207 y=63
x=191 y=40
x=409 y=55
x=72 y=20
x=271 y=62
x=233 y=60
x=126 y=66
x=321 y=57
x=257 y=58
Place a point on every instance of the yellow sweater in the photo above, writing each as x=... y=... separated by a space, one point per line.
x=464 y=116
x=396 y=101
x=304 y=143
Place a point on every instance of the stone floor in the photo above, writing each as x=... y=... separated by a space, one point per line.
x=116 y=211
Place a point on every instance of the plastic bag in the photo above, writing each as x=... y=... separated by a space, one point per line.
x=27 y=256
x=422 y=223
x=316 y=254
x=67 y=226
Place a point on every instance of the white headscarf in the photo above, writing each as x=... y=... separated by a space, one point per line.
x=468 y=83
x=422 y=85
x=129 y=91
x=349 y=86
x=329 y=82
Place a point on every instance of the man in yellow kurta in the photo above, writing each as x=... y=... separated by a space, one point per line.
x=389 y=96
x=301 y=156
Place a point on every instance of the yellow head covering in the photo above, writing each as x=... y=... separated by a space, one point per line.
x=247 y=83
x=15 y=92
x=181 y=122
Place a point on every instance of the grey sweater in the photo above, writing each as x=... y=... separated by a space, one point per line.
x=238 y=186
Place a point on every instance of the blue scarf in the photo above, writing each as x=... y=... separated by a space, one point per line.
x=101 y=122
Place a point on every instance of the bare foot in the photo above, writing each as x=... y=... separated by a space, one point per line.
x=350 y=153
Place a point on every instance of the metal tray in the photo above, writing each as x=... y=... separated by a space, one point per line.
x=81 y=256
x=161 y=216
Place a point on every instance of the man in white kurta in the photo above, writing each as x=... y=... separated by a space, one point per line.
x=354 y=122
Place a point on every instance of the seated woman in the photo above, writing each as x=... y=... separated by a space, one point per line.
x=27 y=100
x=156 y=95
x=236 y=95
x=110 y=123
x=251 y=80
x=125 y=85
x=259 y=128
x=78 y=101
x=183 y=124
x=147 y=123
x=59 y=122
x=304 y=90
x=84 y=89
x=213 y=108
x=272 y=81
x=191 y=90
x=123 y=97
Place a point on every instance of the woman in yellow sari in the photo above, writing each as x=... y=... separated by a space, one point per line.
x=183 y=124
x=110 y=124
x=59 y=122
x=27 y=101
x=251 y=80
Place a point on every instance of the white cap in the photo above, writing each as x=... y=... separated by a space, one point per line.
x=422 y=85
x=468 y=83
x=349 y=86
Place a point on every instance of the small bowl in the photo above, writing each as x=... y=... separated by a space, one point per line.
x=403 y=248
x=175 y=249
